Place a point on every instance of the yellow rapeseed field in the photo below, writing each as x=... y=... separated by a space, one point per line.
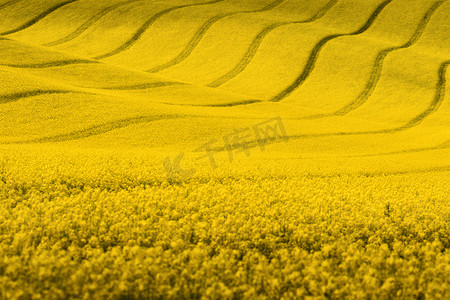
x=224 y=149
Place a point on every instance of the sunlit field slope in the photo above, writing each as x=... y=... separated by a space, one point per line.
x=224 y=149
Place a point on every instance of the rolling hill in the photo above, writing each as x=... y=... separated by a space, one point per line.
x=224 y=149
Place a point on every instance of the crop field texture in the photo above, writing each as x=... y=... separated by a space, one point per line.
x=224 y=149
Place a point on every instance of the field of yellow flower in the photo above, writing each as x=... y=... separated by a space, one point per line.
x=107 y=226
x=224 y=149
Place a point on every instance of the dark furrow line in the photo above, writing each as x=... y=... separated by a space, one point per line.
x=38 y=18
x=17 y=96
x=378 y=66
x=405 y=172
x=243 y=102
x=51 y=64
x=413 y=150
x=89 y=23
x=422 y=171
x=269 y=6
x=257 y=41
x=142 y=86
x=319 y=46
x=432 y=107
x=435 y=104
x=97 y=129
x=444 y=168
x=193 y=43
x=9 y=3
x=444 y=145
x=138 y=34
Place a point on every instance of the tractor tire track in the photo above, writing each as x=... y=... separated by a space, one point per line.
x=28 y=94
x=39 y=92
x=38 y=18
x=9 y=3
x=237 y=103
x=319 y=46
x=437 y=101
x=198 y=36
x=406 y=151
x=97 y=129
x=432 y=107
x=243 y=102
x=143 y=86
x=406 y=172
x=257 y=41
x=89 y=23
x=138 y=34
x=378 y=66
x=43 y=65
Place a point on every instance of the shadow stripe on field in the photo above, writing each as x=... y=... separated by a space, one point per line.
x=7 y=98
x=147 y=25
x=314 y=55
x=430 y=109
x=97 y=129
x=9 y=3
x=256 y=43
x=201 y=32
x=59 y=63
x=80 y=30
x=20 y=95
x=38 y=18
x=378 y=67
